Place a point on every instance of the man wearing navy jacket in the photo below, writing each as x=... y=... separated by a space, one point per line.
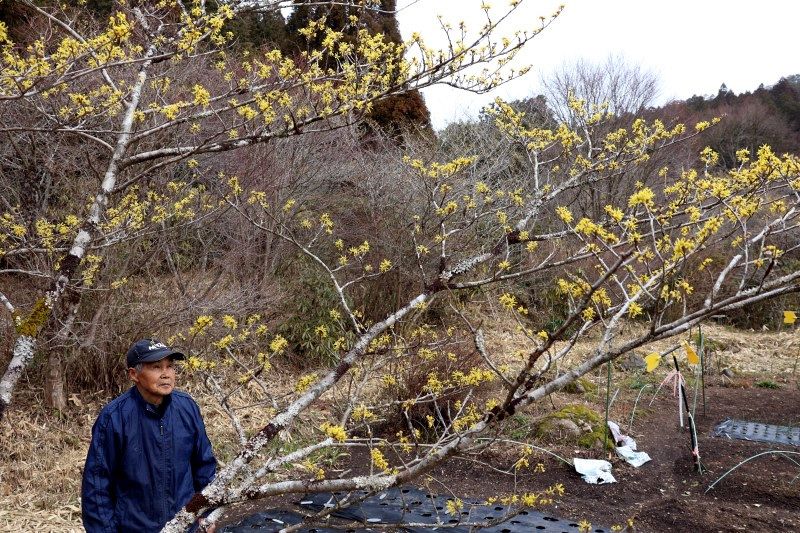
x=149 y=452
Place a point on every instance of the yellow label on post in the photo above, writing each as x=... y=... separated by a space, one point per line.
x=652 y=361
x=789 y=317
x=691 y=355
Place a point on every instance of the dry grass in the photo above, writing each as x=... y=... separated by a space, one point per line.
x=42 y=455
x=764 y=353
x=40 y=473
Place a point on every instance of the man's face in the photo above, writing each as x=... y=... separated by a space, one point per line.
x=156 y=380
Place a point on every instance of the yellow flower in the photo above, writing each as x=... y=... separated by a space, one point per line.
x=362 y=412
x=643 y=196
x=202 y=323
x=509 y=301
x=336 y=432
x=564 y=214
x=378 y=459
x=614 y=213
x=278 y=344
x=453 y=507
x=305 y=382
x=201 y=95
x=703 y=125
x=229 y=322
x=224 y=342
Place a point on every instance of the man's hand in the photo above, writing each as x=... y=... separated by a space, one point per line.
x=203 y=526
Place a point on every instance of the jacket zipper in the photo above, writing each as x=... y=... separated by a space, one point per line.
x=164 y=472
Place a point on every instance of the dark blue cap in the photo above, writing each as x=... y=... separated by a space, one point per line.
x=149 y=350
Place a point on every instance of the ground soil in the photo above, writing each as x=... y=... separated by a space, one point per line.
x=665 y=494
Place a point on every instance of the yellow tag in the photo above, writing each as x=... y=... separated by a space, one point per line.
x=652 y=361
x=789 y=317
x=691 y=355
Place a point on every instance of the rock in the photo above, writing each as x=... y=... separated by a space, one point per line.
x=563 y=427
x=632 y=361
x=728 y=373
x=575 y=423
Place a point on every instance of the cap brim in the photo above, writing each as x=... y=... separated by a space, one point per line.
x=158 y=355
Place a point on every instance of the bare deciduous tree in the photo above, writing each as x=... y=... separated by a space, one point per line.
x=615 y=85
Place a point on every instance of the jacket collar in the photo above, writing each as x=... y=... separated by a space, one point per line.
x=153 y=410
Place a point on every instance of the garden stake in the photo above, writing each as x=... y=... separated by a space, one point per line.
x=697 y=378
x=608 y=402
x=789 y=318
x=698 y=465
x=703 y=366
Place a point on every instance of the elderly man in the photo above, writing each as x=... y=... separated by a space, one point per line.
x=149 y=452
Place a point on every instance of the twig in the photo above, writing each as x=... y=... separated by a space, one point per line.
x=529 y=445
x=782 y=453
x=633 y=412
x=480 y=346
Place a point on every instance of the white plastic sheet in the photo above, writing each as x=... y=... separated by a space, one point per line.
x=619 y=438
x=626 y=447
x=632 y=457
x=594 y=471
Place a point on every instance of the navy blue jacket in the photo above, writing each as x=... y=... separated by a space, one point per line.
x=144 y=463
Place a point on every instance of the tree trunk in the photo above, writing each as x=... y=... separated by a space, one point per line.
x=54 y=382
x=21 y=355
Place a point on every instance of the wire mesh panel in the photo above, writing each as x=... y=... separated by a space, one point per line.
x=743 y=430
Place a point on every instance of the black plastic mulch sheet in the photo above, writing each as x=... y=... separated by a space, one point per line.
x=415 y=511
x=754 y=431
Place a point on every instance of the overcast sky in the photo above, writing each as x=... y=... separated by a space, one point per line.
x=693 y=45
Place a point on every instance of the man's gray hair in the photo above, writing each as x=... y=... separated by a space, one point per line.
x=138 y=368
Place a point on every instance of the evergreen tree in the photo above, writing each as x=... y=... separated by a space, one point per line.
x=394 y=116
x=786 y=97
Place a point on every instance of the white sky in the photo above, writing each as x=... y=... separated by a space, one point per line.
x=693 y=45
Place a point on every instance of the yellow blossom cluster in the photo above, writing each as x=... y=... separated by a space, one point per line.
x=336 y=432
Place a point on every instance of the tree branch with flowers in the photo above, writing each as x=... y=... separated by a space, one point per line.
x=116 y=88
x=642 y=261
x=160 y=91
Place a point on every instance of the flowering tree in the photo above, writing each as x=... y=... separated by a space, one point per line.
x=160 y=85
x=707 y=242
